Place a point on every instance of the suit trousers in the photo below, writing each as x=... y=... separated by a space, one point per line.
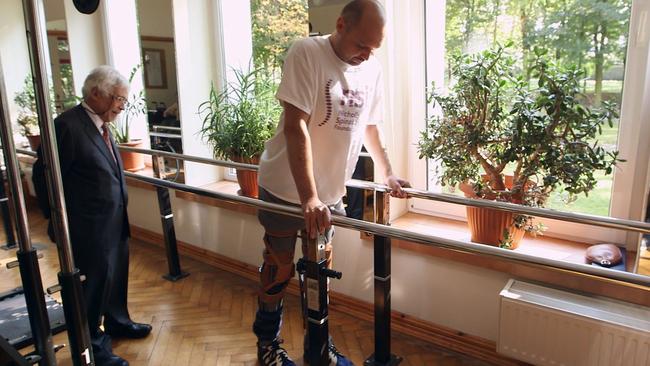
x=105 y=289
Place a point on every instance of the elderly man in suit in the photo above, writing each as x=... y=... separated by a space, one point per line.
x=96 y=200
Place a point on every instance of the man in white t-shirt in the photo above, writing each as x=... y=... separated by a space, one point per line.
x=332 y=101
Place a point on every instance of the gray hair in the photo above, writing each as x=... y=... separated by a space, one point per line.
x=105 y=78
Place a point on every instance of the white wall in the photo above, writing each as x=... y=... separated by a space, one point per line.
x=122 y=45
x=323 y=18
x=14 y=54
x=196 y=61
x=455 y=295
x=85 y=37
x=54 y=9
x=156 y=18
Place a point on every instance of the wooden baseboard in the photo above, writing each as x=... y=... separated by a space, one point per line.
x=475 y=347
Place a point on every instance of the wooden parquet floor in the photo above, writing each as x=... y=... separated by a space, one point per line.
x=206 y=318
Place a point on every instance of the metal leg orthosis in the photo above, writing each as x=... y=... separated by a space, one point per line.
x=314 y=274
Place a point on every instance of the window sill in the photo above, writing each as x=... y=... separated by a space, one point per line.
x=541 y=246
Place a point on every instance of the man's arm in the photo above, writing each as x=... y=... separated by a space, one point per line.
x=374 y=145
x=316 y=214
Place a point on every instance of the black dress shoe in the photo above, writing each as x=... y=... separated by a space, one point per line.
x=131 y=330
x=105 y=358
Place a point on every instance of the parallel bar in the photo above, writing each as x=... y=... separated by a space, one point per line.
x=165 y=135
x=196 y=159
x=604 y=274
x=170 y=128
x=602 y=221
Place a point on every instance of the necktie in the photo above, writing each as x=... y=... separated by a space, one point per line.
x=107 y=140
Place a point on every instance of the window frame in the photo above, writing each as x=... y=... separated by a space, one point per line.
x=637 y=60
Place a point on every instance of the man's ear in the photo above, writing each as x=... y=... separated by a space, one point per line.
x=340 y=24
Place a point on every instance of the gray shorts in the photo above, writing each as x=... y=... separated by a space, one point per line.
x=274 y=222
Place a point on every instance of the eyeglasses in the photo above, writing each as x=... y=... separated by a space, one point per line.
x=120 y=99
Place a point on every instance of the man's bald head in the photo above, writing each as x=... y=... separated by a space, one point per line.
x=368 y=10
x=359 y=31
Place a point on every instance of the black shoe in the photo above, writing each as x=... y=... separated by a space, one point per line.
x=131 y=330
x=105 y=358
x=273 y=355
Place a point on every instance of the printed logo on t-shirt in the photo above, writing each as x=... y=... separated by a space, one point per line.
x=349 y=107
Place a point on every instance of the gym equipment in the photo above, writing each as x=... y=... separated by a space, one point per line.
x=14 y=318
x=6 y=214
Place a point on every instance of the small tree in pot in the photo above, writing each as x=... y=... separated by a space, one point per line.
x=494 y=121
x=239 y=119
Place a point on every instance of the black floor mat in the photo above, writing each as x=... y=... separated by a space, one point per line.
x=14 y=320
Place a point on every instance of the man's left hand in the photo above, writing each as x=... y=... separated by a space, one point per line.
x=396 y=184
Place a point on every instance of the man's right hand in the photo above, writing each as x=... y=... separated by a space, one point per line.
x=317 y=217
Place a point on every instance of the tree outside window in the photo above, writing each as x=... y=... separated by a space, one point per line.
x=590 y=34
x=276 y=24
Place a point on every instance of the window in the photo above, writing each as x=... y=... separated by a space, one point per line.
x=592 y=34
x=276 y=24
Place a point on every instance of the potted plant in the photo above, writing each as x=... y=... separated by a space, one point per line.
x=27 y=116
x=136 y=106
x=502 y=138
x=239 y=119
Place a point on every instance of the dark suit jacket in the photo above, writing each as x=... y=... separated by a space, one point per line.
x=95 y=190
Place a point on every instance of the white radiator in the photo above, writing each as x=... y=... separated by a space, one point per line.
x=544 y=326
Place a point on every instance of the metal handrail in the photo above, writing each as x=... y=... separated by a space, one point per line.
x=170 y=128
x=602 y=221
x=614 y=276
x=196 y=159
x=165 y=135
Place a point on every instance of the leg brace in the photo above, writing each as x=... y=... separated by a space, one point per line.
x=278 y=268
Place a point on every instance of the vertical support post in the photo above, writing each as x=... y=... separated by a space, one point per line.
x=158 y=161
x=314 y=268
x=6 y=214
x=169 y=234
x=382 y=254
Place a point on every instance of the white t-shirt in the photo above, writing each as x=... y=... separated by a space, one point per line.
x=341 y=100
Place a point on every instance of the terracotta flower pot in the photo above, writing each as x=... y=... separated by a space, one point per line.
x=247 y=179
x=34 y=141
x=488 y=226
x=132 y=162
